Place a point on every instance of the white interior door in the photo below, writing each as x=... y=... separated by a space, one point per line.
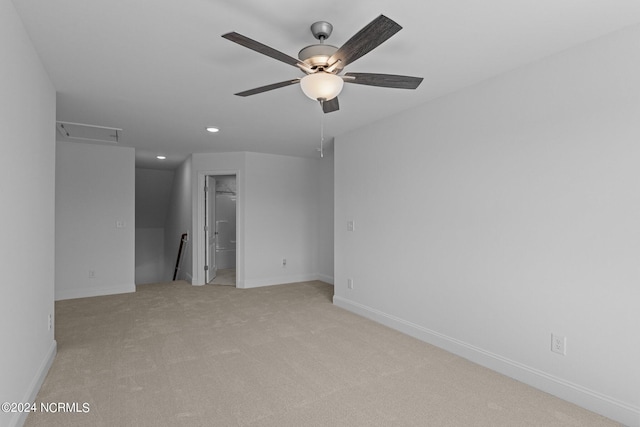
x=210 y=266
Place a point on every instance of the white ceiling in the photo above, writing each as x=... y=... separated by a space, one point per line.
x=159 y=69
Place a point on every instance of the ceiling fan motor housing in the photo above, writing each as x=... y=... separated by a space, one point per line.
x=317 y=55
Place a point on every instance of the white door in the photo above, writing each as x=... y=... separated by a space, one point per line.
x=209 y=228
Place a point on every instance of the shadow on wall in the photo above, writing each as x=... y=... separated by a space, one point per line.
x=153 y=191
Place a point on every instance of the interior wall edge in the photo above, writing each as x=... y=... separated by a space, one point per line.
x=326 y=279
x=39 y=377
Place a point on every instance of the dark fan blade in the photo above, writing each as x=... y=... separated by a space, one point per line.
x=365 y=40
x=330 y=105
x=268 y=87
x=264 y=49
x=384 y=80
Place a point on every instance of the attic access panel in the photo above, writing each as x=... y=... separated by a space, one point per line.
x=86 y=132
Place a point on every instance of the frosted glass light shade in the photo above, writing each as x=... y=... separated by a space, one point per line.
x=321 y=85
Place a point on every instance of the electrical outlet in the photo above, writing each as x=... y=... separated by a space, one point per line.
x=559 y=344
x=351 y=225
x=92 y=274
x=284 y=262
x=50 y=321
x=350 y=283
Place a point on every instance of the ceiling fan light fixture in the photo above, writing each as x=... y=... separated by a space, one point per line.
x=323 y=63
x=321 y=85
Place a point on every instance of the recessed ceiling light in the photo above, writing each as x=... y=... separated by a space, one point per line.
x=161 y=157
x=212 y=129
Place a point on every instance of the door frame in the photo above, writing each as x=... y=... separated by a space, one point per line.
x=211 y=228
x=199 y=276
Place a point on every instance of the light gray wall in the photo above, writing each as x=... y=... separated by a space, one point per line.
x=490 y=218
x=153 y=193
x=280 y=219
x=178 y=221
x=95 y=187
x=27 y=175
x=278 y=199
x=150 y=255
x=325 y=210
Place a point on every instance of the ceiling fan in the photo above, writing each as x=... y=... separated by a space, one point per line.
x=324 y=63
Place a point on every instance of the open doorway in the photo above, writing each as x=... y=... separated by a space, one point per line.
x=220 y=197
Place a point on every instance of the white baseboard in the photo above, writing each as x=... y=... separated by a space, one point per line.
x=624 y=413
x=325 y=278
x=257 y=283
x=62 y=294
x=30 y=396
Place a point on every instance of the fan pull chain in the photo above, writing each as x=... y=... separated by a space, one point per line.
x=322 y=136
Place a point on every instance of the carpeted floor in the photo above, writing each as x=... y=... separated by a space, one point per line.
x=225 y=276
x=176 y=355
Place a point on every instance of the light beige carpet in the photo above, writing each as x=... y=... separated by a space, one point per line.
x=177 y=355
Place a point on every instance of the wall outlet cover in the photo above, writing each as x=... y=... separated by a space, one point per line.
x=559 y=344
